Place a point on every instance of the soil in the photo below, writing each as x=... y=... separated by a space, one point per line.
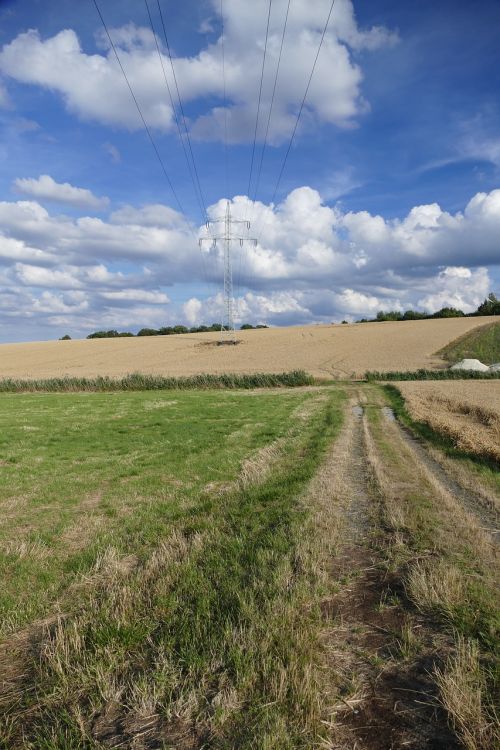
x=393 y=703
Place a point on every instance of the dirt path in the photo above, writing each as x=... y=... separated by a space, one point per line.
x=387 y=697
x=472 y=500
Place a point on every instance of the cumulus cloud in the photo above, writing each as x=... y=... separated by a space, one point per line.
x=313 y=262
x=457 y=286
x=45 y=188
x=93 y=88
x=193 y=310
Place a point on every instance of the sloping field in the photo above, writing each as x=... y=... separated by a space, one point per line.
x=339 y=351
x=482 y=343
x=467 y=411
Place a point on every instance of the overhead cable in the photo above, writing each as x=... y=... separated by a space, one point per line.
x=278 y=182
x=260 y=97
x=146 y=127
x=176 y=119
x=272 y=102
x=148 y=131
x=181 y=107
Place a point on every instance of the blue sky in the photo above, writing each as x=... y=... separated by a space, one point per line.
x=390 y=197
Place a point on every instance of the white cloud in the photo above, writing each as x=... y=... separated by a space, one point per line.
x=136 y=295
x=46 y=188
x=153 y=215
x=72 y=302
x=12 y=249
x=457 y=287
x=193 y=310
x=46 y=277
x=313 y=263
x=93 y=87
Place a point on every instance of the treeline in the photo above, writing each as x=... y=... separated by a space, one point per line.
x=165 y=331
x=490 y=306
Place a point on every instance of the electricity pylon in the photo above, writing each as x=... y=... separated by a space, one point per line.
x=227 y=238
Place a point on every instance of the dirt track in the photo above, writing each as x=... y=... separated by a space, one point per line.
x=339 y=351
x=388 y=693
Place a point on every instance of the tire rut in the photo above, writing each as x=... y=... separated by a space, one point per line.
x=386 y=701
x=488 y=517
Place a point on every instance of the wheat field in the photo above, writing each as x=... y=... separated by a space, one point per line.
x=466 y=411
x=339 y=351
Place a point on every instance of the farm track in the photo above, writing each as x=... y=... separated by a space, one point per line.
x=472 y=501
x=385 y=701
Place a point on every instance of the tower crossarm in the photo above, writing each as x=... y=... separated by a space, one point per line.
x=227 y=238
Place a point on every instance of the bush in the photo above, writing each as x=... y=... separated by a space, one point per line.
x=66 y=337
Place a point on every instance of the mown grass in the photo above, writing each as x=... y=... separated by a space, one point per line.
x=208 y=636
x=481 y=343
x=142 y=382
x=376 y=376
x=82 y=471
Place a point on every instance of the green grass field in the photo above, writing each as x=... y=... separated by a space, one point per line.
x=163 y=529
x=482 y=343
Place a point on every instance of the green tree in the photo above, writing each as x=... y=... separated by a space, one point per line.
x=449 y=312
x=490 y=306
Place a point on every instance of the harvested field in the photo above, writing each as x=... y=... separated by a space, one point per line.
x=230 y=570
x=467 y=411
x=339 y=351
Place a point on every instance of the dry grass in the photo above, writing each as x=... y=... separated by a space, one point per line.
x=324 y=351
x=461 y=685
x=468 y=412
x=450 y=571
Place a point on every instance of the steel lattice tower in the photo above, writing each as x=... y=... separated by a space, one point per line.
x=227 y=238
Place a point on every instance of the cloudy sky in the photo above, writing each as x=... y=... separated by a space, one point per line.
x=390 y=197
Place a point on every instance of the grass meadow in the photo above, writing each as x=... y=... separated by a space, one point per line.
x=150 y=544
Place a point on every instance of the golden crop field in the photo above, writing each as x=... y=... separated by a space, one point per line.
x=467 y=411
x=340 y=351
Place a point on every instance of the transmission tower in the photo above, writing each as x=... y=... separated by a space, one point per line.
x=227 y=238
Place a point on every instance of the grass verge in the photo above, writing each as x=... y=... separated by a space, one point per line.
x=481 y=343
x=450 y=572
x=140 y=382
x=375 y=376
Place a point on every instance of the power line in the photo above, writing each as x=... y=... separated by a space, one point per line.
x=256 y=125
x=182 y=109
x=278 y=182
x=164 y=169
x=260 y=98
x=272 y=102
x=148 y=131
x=200 y=203
x=268 y=124
x=224 y=97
